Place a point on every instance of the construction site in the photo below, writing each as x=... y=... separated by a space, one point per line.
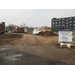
x=34 y=49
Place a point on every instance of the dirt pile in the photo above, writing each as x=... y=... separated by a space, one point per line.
x=46 y=33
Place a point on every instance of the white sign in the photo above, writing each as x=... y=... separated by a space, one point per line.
x=65 y=36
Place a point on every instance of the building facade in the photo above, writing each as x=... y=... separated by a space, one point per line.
x=67 y=23
x=2 y=26
x=28 y=30
x=18 y=30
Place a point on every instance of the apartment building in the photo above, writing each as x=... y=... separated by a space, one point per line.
x=67 y=23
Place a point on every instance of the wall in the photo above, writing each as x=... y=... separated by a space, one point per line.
x=2 y=26
x=15 y=29
x=28 y=30
x=25 y=29
x=20 y=30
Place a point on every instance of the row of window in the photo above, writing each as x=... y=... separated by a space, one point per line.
x=64 y=25
x=63 y=28
x=63 y=19
x=63 y=22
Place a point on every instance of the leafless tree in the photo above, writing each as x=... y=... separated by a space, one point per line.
x=10 y=27
x=23 y=25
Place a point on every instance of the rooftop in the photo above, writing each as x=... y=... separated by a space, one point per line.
x=63 y=17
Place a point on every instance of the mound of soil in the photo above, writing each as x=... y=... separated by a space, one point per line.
x=47 y=33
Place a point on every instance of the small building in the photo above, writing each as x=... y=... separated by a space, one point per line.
x=28 y=30
x=18 y=30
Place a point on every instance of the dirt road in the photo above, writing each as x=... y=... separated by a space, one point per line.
x=41 y=50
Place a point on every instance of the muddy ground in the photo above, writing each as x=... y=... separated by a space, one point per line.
x=28 y=49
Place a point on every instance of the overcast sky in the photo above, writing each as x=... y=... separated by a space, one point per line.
x=33 y=17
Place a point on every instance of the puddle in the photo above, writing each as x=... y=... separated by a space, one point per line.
x=17 y=55
x=2 y=49
x=13 y=57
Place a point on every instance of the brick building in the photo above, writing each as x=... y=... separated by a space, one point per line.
x=2 y=26
x=19 y=30
x=67 y=23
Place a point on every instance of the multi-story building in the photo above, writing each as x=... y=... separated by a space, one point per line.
x=2 y=26
x=67 y=23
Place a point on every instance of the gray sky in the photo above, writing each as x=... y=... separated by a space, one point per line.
x=33 y=17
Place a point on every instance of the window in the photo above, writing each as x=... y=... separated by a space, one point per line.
x=53 y=25
x=56 y=28
x=53 y=22
x=59 y=25
x=59 y=19
x=56 y=22
x=67 y=19
x=74 y=18
x=74 y=21
x=59 y=22
x=66 y=22
x=73 y=27
x=70 y=24
x=63 y=22
x=63 y=25
x=52 y=28
x=70 y=21
x=70 y=18
x=66 y=25
x=73 y=24
x=56 y=25
x=70 y=27
x=63 y=19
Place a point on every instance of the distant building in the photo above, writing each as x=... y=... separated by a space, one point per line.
x=28 y=30
x=2 y=26
x=18 y=30
x=67 y=23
